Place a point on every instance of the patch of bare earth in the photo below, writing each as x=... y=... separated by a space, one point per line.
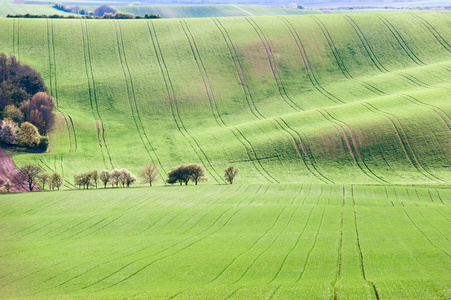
x=8 y=170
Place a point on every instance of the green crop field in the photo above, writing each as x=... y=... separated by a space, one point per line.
x=330 y=98
x=299 y=241
x=340 y=126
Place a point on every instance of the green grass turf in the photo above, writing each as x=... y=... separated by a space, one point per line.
x=303 y=241
x=358 y=98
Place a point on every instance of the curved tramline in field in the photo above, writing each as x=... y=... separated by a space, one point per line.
x=250 y=96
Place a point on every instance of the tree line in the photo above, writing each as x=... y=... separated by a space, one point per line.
x=32 y=177
x=26 y=108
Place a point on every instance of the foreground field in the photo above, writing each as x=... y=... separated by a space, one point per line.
x=239 y=242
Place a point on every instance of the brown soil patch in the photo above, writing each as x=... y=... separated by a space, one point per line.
x=8 y=170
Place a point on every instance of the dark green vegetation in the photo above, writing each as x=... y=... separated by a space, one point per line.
x=289 y=241
x=361 y=98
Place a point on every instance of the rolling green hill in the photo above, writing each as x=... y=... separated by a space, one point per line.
x=232 y=242
x=332 y=98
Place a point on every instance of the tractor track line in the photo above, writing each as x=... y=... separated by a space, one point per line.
x=142 y=249
x=306 y=62
x=340 y=62
x=209 y=89
x=238 y=69
x=292 y=248
x=400 y=40
x=438 y=194
x=54 y=63
x=306 y=149
x=170 y=91
x=267 y=248
x=434 y=32
x=313 y=246
x=375 y=59
x=250 y=157
x=91 y=91
x=178 y=251
x=68 y=132
x=204 y=74
x=274 y=292
x=266 y=42
x=340 y=254
x=432 y=225
x=301 y=154
x=440 y=112
x=362 y=262
x=134 y=97
x=422 y=232
x=95 y=92
x=414 y=160
x=50 y=59
x=365 y=44
x=332 y=120
x=248 y=249
x=255 y=154
x=73 y=130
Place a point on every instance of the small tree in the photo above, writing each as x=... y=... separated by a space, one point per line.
x=8 y=186
x=114 y=177
x=149 y=173
x=56 y=180
x=230 y=173
x=129 y=179
x=40 y=112
x=28 y=135
x=8 y=132
x=95 y=176
x=105 y=177
x=43 y=179
x=179 y=174
x=197 y=173
x=78 y=180
x=31 y=173
x=13 y=113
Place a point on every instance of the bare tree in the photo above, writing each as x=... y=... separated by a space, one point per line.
x=56 y=180
x=114 y=179
x=149 y=173
x=105 y=177
x=43 y=179
x=230 y=173
x=78 y=180
x=95 y=176
x=197 y=173
x=8 y=186
x=31 y=173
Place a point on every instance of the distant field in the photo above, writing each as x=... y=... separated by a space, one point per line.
x=240 y=242
x=21 y=9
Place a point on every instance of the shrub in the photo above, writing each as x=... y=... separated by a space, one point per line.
x=28 y=135
x=43 y=144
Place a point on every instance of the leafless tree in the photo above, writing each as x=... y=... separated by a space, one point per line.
x=105 y=177
x=230 y=173
x=31 y=173
x=149 y=173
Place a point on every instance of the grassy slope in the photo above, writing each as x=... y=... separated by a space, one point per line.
x=368 y=104
x=200 y=11
x=289 y=241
